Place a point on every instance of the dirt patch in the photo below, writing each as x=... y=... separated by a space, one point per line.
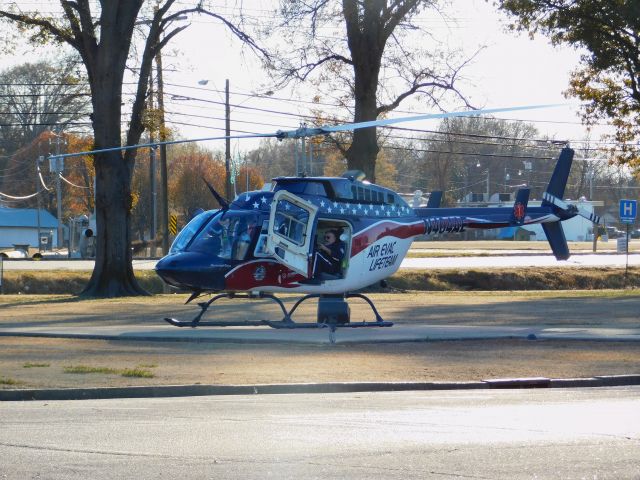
x=47 y=363
x=186 y=364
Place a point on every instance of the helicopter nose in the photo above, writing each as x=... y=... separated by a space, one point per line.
x=193 y=271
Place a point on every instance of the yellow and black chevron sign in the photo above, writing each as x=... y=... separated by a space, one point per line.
x=173 y=224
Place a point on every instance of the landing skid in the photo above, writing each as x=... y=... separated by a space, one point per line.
x=333 y=313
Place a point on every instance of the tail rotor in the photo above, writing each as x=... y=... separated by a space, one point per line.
x=563 y=210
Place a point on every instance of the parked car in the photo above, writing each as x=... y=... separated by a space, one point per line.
x=635 y=233
x=613 y=232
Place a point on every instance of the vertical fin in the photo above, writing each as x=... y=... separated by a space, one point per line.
x=560 y=175
x=520 y=206
x=557 y=240
x=435 y=198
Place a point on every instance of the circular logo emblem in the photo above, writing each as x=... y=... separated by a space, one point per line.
x=259 y=273
x=518 y=211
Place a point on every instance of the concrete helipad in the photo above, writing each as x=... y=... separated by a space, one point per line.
x=395 y=334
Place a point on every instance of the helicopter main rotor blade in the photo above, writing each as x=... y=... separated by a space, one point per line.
x=324 y=130
x=313 y=131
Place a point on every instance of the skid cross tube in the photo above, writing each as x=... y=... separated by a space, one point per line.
x=204 y=306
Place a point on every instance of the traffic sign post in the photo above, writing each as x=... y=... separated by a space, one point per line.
x=628 y=213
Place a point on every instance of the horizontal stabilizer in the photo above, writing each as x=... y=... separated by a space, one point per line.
x=435 y=198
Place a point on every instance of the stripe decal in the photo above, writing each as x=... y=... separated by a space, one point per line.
x=384 y=228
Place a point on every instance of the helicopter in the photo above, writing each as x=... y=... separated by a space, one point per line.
x=269 y=241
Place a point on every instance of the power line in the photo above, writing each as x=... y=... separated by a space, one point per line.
x=39 y=124
x=56 y=94
x=26 y=197
x=71 y=183
x=211 y=128
x=234 y=120
x=494 y=155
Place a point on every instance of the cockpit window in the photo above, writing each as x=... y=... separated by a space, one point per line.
x=291 y=221
x=306 y=187
x=187 y=233
x=228 y=235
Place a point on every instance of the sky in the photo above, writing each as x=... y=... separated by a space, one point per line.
x=511 y=70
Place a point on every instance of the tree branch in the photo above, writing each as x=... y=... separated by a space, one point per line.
x=310 y=67
x=237 y=32
x=41 y=23
x=403 y=8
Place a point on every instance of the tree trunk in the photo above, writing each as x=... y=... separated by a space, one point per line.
x=362 y=153
x=113 y=272
x=366 y=50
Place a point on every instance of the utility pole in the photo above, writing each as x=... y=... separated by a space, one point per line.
x=227 y=149
x=38 y=189
x=57 y=166
x=163 y=158
x=152 y=181
x=488 y=191
x=304 y=155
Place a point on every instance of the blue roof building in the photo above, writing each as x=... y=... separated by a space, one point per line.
x=19 y=226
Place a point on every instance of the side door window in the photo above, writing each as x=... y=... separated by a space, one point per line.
x=290 y=237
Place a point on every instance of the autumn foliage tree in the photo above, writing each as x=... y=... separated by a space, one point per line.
x=608 y=78
x=102 y=34
x=79 y=175
x=188 y=167
x=25 y=176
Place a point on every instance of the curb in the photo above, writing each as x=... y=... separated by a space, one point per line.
x=264 y=340
x=307 y=388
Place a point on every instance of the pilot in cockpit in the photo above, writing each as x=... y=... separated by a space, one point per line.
x=330 y=254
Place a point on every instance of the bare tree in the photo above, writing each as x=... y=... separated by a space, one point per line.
x=101 y=32
x=40 y=96
x=374 y=69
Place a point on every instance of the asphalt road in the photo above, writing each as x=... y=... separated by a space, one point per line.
x=488 y=261
x=583 y=433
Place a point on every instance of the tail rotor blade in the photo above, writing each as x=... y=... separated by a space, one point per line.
x=569 y=208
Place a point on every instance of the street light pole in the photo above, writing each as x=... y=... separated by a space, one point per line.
x=153 y=196
x=227 y=148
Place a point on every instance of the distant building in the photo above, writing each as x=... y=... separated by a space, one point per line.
x=19 y=226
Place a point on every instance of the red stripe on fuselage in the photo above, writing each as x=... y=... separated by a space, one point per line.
x=383 y=229
x=261 y=273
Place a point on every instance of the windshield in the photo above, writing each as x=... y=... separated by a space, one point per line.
x=187 y=233
x=228 y=235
